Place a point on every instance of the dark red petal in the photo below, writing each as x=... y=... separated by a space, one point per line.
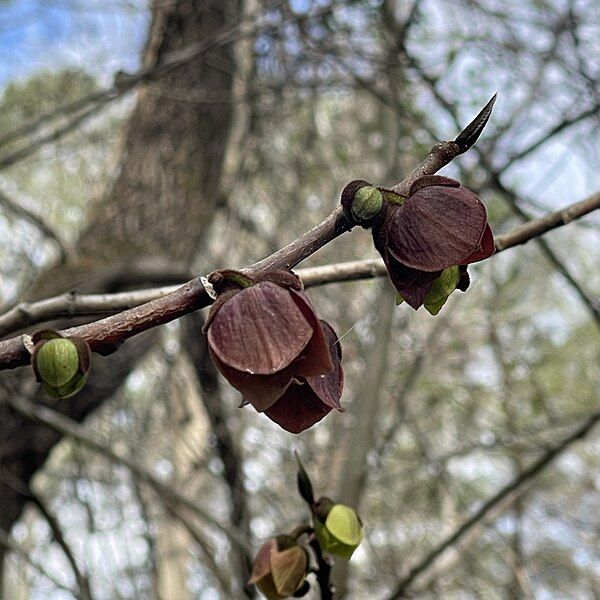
x=328 y=387
x=411 y=284
x=298 y=409
x=427 y=180
x=485 y=249
x=260 y=330
x=315 y=359
x=436 y=228
x=262 y=391
x=262 y=562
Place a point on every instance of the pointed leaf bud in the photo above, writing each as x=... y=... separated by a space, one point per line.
x=60 y=364
x=338 y=528
x=305 y=487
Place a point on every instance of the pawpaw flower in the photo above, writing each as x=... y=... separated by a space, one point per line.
x=338 y=528
x=280 y=568
x=429 y=238
x=265 y=338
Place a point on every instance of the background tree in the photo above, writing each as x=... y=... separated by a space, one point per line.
x=441 y=413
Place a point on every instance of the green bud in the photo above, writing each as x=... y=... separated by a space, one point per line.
x=60 y=364
x=367 y=204
x=338 y=528
x=362 y=203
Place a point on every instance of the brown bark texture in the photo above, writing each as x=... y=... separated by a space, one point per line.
x=156 y=212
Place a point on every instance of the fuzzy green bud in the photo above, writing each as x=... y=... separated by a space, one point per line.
x=60 y=364
x=362 y=202
x=338 y=528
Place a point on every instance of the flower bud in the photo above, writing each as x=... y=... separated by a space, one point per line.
x=280 y=568
x=60 y=364
x=338 y=528
x=362 y=203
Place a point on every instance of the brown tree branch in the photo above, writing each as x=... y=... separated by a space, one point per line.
x=506 y=496
x=511 y=198
x=106 y=335
x=28 y=314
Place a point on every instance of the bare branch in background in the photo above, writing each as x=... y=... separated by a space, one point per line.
x=78 y=432
x=23 y=489
x=506 y=496
x=38 y=221
x=87 y=106
x=193 y=296
x=11 y=545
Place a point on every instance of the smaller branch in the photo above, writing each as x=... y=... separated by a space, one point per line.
x=323 y=572
x=564 y=124
x=72 y=429
x=25 y=151
x=22 y=488
x=26 y=314
x=537 y=227
x=12 y=546
x=444 y=152
x=66 y=305
x=510 y=493
x=38 y=221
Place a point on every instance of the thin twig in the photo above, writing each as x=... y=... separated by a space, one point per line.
x=73 y=429
x=65 y=305
x=11 y=545
x=510 y=493
x=24 y=490
x=15 y=207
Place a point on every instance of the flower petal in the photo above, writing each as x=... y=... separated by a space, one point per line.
x=328 y=387
x=315 y=358
x=412 y=284
x=261 y=391
x=485 y=249
x=262 y=562
x=298 y=409
x=288 y=568
x=437 y=227
x=260 y=330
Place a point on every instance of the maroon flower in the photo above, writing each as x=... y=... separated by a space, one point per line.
x=440 y=225
x=267 y=341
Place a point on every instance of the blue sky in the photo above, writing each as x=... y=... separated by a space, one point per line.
x=101 y=36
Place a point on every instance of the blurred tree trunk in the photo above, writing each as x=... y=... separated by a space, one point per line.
x=157 y=211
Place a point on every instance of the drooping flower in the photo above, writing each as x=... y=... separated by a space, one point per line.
x=280 y=568
x=267 y=341
x=428 y=239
